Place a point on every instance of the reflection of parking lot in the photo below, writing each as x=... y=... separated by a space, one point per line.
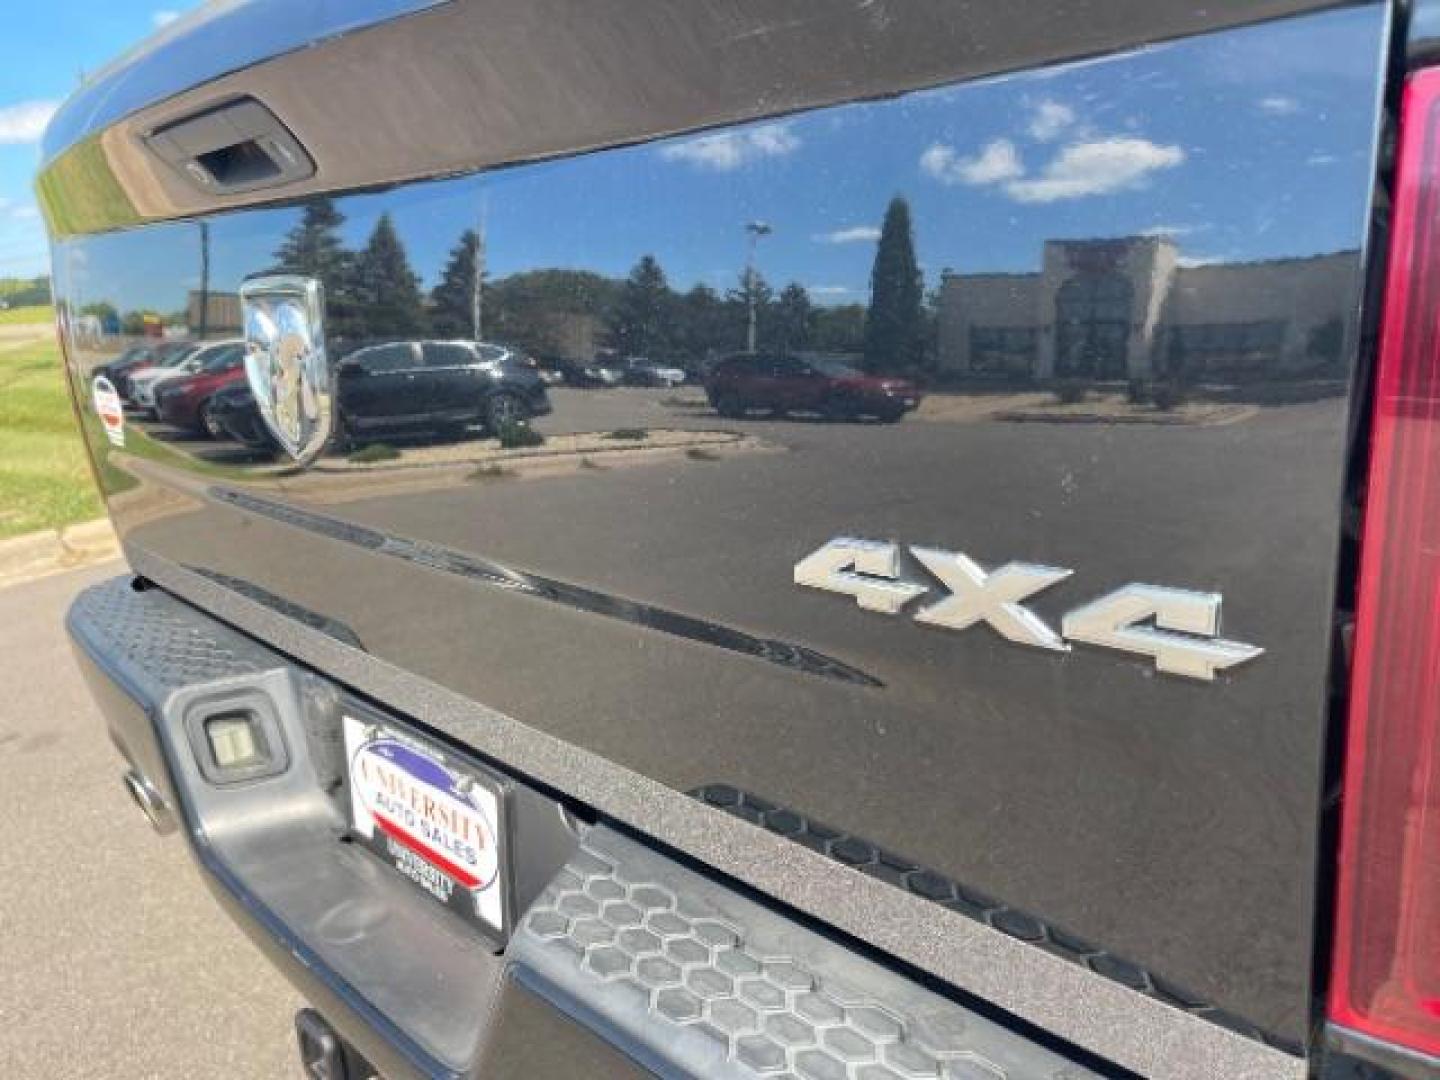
x=218 y=451
x=575 y=411
x=635 y=409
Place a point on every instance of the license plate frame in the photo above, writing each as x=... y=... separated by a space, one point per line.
x=435 y=817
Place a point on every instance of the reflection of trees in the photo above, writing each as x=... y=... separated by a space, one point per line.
x=314 y=248
x=643 y=316
x=793 y=319
x=452 y=300
x=24 y=292
x=894 y=330
x=547 y=311
x=643 y=320
x=753 y=289
x=374 y=293
x=386 y=289
x=839 y=329
x=703 y=325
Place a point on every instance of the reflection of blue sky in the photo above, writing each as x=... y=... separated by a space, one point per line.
x=1242 y=145
x=43 y=50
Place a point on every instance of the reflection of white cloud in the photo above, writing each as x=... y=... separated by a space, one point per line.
x=729 y=150
x=163 y=17
x=1276 y=105
x=1098 y=167
x=830 y=290
x=1190 y=262
x=25 y=122
x=1050 y=119
x=856 y=234
x=996 y=162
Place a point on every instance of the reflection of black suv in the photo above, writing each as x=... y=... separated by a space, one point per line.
x=436 y=386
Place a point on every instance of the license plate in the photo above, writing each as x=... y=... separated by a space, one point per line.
x=437 y=820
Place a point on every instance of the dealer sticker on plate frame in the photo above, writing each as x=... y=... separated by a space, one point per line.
x=438 y=821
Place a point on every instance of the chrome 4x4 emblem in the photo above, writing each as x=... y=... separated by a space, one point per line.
x=1177 y=628
x=285 y=361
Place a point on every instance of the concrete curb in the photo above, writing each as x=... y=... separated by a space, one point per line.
x=50 y=551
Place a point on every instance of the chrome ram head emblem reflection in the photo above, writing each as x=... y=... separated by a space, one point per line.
x=285 y=361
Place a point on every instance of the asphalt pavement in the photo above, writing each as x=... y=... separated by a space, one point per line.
x=114 y=959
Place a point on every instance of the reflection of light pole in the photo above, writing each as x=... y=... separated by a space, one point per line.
x=204 y=279
x=478 y=284
x=756 y=229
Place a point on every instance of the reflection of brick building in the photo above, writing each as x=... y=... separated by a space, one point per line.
x=1126 y=308
x=221 y=314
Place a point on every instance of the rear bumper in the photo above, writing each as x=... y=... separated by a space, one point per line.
x=621 y=961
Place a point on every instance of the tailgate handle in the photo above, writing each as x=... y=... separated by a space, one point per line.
x=230 y=148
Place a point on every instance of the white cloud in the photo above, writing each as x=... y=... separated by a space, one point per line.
x=856 y=234
x=998 y=161
x=1050 y=119
x=1321 y=159
x=829 y=290
x=1190 y=262
x=163 y=17
x=1098 y=167
x=24 y=212
x=729 y=150
x=25 y=122
x=1277 y=105
x=1169 y=230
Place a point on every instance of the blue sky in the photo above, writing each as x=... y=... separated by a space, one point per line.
x=1242 y=145
x=43 y=51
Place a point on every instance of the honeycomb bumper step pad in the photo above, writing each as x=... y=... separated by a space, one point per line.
x=695 y=979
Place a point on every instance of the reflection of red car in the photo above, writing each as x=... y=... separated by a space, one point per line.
x=184 y=401
x=786 y=384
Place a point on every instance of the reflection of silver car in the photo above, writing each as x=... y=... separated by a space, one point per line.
x=642 y=372
x=144 y=384
x=601 y=375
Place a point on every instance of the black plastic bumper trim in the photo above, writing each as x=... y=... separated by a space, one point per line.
x=869 y=858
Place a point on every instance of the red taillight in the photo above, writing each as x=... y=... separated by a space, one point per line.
x=1386 y=978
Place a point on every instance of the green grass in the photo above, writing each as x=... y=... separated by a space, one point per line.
x=45 y=480
x=35 y=313
x=374 y=452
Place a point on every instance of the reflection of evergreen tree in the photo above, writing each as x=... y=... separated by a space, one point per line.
x=839 y=329
x=793 y=318
x=387 y=289
x=894 y=328
x=548 y=311
x=705 y=327
x=753 y=286
x=314 y=248
x=453 y=298
x=641 y=324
